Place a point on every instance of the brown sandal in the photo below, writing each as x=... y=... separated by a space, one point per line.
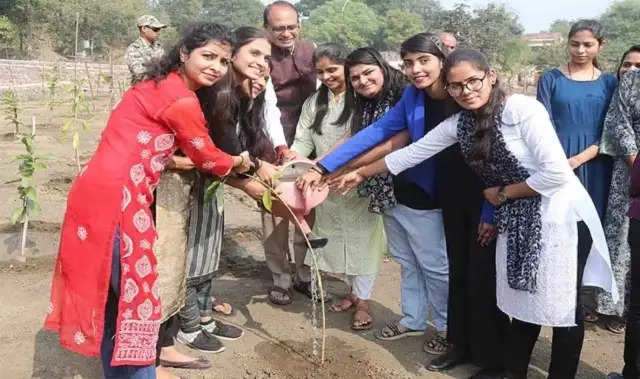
x=343 y=304
x=361 y=318
x=221 y=307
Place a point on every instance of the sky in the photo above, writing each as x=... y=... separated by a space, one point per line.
x=537 y=15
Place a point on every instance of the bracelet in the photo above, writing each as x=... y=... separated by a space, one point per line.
x=317 y=169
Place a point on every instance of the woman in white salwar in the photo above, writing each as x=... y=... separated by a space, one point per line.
x=550 y=239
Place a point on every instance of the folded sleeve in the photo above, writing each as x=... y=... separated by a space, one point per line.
x=273 y=124
x=438 y=139
x=184 y=117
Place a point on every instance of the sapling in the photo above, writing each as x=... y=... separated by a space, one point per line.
x=11 y=109
x=268 y=196
x=75 y=123
x=29 y=163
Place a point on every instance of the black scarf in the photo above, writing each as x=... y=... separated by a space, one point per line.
x=519 y=218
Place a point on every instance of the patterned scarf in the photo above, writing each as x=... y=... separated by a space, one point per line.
x=379 y=188
x=519 y=218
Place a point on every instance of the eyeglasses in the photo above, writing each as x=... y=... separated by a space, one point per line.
x=284 y=28
x=473 y=84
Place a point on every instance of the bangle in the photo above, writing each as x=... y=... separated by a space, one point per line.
x=317 y=169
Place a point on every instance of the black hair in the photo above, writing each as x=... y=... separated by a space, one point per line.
x=279 y=3
x=394 y=81
x=594 y=27
x=424 y=43
x=337 y=54
x=632 y=49
x=196 y=36
x=225 y=106
x=488 y=117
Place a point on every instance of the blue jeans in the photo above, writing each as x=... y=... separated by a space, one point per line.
x=416 y=241
x=108 y=338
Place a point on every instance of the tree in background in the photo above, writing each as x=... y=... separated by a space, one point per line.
x=350 y=22
x=233 y=13
x=400 y=25
x=561 y=26
x=621 y=21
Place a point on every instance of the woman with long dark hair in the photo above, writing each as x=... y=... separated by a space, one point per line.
x=577 y=96
x=106 y=248
x=542 y=210
x=356 y=237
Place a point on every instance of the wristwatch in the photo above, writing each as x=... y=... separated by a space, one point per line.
x=502 y=197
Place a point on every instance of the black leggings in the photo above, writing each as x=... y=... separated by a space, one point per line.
x=567 y=341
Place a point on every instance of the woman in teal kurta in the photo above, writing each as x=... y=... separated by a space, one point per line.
x=356 y=236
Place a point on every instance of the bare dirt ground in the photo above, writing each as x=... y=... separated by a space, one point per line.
x=277 y=341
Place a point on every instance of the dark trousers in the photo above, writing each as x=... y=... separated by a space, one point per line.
x=475 y=324
x=566 y=345
x=168 y=330
x=632 y=334
x=197 y=303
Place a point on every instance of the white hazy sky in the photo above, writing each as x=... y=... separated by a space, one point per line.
x=537 y=15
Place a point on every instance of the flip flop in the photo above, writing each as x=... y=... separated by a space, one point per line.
x=339 y=306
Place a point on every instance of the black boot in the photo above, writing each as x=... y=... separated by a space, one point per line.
x=448 y=360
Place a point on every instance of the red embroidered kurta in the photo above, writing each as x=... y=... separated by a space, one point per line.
x=114 y=192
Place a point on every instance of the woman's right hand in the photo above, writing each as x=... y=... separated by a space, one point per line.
x=177 y=162
x=242 y=163
x=309 y=180
x=349 y=181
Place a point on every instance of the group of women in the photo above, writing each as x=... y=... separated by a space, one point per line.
x=479 y=163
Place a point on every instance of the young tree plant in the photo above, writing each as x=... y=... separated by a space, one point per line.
x=11 y=109
x=52 y=87
x=29 y=163
x=76 y=124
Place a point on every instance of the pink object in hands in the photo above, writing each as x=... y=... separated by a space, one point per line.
x=300 y=203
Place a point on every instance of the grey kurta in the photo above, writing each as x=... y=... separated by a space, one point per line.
x=356 y=236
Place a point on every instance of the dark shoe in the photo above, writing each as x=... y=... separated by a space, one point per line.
x=488 y=373
x=201 y=340
x=285 y=296
x=614 y=375
x=317 y=243
x=305 y=288
x=222 y=331
x=198 y=364
x=447 y=360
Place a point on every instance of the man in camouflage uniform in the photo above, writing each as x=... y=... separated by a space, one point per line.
x=145 y=48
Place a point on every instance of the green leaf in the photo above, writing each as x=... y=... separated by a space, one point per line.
x=39 y=165
x=30 y=193
x=25 y=182
x=86 y=125
x=76 y=141
x=67 y=125
x=17 y=215
x=33 y=205
x=266 y=200
x=211 y=190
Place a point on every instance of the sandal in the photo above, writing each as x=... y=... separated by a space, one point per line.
x=590 y=316
x=305 y=289
x=361 y=318
x=343 y=304
x=392 y=332
x=437 y=345
x=615 y=325
x=280 y=300
x=221 y=307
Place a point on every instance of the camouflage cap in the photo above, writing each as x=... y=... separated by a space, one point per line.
x=148 y=20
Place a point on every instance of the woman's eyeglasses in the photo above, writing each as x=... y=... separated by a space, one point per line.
x=473 y=84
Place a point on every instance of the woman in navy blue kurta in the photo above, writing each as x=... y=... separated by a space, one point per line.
x=577 y=109
x=577 y=97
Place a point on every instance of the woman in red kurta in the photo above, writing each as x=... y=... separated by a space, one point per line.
x=109 y=201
